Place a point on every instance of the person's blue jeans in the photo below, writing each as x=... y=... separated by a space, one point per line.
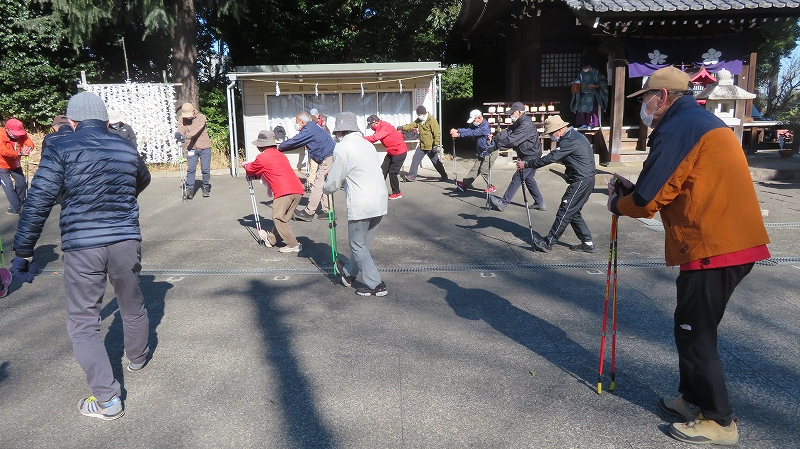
x=205 y=167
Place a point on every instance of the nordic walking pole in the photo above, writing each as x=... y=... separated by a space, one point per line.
x=489 y=186
x=455 y=166
x=613 y=384
x=612 y=258
x=332 y=232
x=256 y=217
x=605 y=306
x=525 y=197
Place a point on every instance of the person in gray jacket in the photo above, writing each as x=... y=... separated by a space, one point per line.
x=355 y=164
x=100 y=176
x=576 y=153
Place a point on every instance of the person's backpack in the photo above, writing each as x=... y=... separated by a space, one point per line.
x=410 y=135
x=280 y=133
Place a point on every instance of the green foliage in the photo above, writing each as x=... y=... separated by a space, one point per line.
x=457 y=82
x=330 y=31
x=214 y=105
x=780 y=40
x=39 y=70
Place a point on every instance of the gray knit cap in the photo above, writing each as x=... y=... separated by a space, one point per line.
x=86 y=106
x=346 y=121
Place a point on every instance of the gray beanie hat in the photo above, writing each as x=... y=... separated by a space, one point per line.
x=86 y=106
x=346 y=121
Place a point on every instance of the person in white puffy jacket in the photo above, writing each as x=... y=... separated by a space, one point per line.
x=356 y=165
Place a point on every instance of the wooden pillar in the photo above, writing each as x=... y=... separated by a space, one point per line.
x=747 y=81
x=617 y=109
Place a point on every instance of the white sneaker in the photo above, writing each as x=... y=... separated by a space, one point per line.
x=291 y=249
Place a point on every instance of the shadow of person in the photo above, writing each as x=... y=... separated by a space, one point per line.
x=154 y=295
x=45 y=254
x=494 y=222
x=526 y=329
x=4 y=370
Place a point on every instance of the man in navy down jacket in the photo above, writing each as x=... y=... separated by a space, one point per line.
x=100 y=175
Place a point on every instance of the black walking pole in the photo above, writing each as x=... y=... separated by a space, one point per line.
x=525 y=197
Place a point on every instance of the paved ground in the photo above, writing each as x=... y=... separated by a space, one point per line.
x=480 y=343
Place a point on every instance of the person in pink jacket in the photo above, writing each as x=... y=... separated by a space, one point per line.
x=396 y=151
x=273 y=166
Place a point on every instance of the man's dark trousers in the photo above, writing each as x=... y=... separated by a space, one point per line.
x=527 y=174
x=702 y=298
x=569 y=211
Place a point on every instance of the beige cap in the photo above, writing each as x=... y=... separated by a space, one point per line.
x=187 y=110
x=553 y=124
x=266 y=138
x=669 y=78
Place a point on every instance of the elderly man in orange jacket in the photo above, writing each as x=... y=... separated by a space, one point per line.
x=697 y=176
x=14 y=142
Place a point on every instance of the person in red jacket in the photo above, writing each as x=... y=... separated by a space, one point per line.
x=396 y=151
x=14 y=142
x=273 y=166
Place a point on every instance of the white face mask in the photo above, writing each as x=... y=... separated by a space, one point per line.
x=514 y=117
x=586 y=69
x=647 y=119
x=296 y=126
x=422 y=118
x=554 y=137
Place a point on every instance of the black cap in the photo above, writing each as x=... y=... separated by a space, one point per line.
x=517 y=107
x=372 y=119
x=421 y=110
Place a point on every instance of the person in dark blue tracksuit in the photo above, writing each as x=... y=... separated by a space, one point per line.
x=523 y=137
x=576 y=153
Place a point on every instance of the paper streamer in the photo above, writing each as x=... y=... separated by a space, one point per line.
x=277 y=89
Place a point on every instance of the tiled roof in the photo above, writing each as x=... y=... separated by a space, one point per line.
x=677 y=5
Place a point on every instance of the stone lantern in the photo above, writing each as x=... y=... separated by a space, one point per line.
x=727 y=101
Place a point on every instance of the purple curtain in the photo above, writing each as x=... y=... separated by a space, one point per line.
x=645 y=56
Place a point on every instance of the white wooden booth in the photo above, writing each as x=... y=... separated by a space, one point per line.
x=274 y=95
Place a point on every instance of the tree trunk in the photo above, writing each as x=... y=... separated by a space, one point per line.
x=184 y=51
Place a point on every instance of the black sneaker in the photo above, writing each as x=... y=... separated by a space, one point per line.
x=322 y=216
x=301 y=215
x=206 y=192
x=541 y=244
x=347 y=281
x=536 y=206
x=583 y=247
x=11 y=211
x=189 y=193
x=379 y=290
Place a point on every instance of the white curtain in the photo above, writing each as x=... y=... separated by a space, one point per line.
x=282 y=110
x=395 y=108
x=328 y=105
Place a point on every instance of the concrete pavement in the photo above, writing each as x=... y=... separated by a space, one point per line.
x=481 y=342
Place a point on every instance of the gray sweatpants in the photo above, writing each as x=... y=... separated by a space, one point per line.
x=85 y=274
x=360 y=234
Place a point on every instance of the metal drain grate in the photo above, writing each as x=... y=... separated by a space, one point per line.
x=782 y=225
x=453 y=268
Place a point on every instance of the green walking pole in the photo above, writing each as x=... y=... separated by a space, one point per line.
x=332 y=231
